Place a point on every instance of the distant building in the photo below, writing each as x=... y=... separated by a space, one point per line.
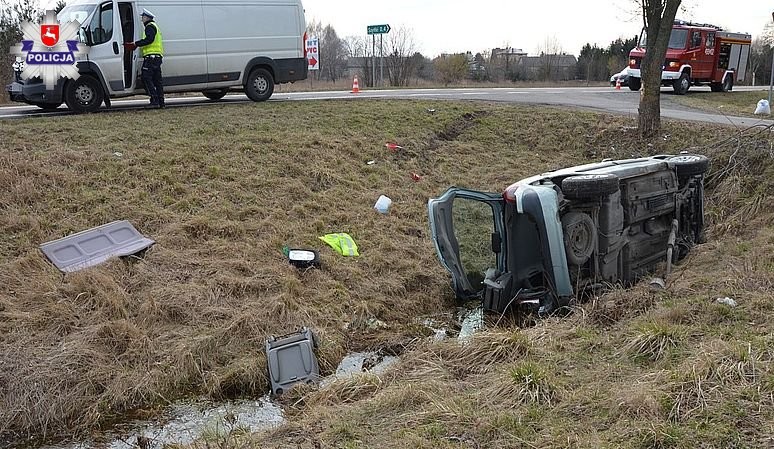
x=548 y=67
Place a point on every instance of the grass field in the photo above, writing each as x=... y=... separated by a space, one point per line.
x=223 y=188
x=734 y=103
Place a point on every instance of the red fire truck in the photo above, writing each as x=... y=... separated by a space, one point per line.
x=697 y=54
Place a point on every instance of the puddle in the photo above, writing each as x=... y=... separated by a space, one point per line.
x=472 y=322
x=185 y=422
x=360 y=362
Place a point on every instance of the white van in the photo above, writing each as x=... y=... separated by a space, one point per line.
x=210 y=46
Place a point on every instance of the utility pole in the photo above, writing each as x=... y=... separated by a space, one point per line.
x=373 y=61
x=771 y=81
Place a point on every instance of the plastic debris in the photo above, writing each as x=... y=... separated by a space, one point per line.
x=342 y=243
x=431 y=110
x=393 y=146
x=370 y=162
x=118 y=154
x=763 y=108
x=727 y=301
x=383 y=204
x=302 y=258
x=292 y=360
x=415 y=177
x=657 y=284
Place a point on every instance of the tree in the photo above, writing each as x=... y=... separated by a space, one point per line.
x=12 y=14
x=451 y=68
x=657 y=16
x=550 y=55
x=400 y=49
x=333 y=52
x=359 y=53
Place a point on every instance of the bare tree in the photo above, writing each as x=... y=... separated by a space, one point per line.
x=657 y=16
x=551 y=53
x=12 y=14
x=359 y=54
x=400 y=49
x=333 y=62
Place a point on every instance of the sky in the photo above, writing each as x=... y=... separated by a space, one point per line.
x=456 y=26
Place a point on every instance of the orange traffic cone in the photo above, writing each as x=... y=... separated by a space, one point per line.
x=618 y=83
x=355 y=86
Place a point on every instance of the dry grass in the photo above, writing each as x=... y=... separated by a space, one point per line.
x=223 y=188
x=734 y=103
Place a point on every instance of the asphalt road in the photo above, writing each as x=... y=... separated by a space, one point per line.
x=602 y=99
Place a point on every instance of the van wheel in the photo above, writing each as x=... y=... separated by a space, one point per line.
x=215 y=94
x=689 y=164
x=84 y=94
x=260 y=85
x=589 y=187
x=580 y=237
x=682 y=84
x=728 y=83
x=635 y=83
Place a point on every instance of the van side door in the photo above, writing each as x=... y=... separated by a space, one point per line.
x=105 y=40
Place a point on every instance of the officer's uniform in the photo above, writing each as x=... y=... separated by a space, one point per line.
x=152 y=52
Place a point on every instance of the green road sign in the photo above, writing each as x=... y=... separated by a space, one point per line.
x=378 y=29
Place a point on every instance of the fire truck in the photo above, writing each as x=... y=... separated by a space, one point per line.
x=697 y=54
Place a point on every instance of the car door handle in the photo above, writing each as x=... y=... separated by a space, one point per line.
x=115 y=47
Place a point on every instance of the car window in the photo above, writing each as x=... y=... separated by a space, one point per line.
x=473 y=228
x=678 y=39
x=696 y=39
x=102 y=25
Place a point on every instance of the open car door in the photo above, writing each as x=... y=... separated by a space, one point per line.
x=469 y=234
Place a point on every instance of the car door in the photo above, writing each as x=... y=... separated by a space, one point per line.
x=468 y=230
x=105 y=40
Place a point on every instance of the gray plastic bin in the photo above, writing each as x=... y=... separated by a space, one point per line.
x=291 y=359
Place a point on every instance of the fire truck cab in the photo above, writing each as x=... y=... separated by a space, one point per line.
x=697 y=54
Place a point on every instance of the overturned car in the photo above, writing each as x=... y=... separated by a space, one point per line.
x=547 y=238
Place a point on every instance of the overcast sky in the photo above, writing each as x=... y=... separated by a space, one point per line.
x=453 y=26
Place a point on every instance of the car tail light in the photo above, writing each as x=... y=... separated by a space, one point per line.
x=509 y=195
x=303 y=44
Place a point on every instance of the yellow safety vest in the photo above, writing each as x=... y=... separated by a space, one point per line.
x=154 y=48
x=342 y=243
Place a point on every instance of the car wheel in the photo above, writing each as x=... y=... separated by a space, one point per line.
x=260 y=85
x=589 y=187
x=689 y=164
x=580 y=237
x=215 y=94
x=635 y=83
x=84 y=94
x=728 y=83
x=682 y=84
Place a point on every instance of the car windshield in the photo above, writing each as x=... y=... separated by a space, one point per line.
x=76 y=13
x=676 y=40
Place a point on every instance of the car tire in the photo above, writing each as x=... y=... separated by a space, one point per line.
x=728 y=84
x=589 y=187
x=689 y=164
x=216 y=94
x=84 y=94
x=682 y=84
x=260 y=85
x=580 y=237
x=635 y=83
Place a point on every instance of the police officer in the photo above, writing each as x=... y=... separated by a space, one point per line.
x=152 y=52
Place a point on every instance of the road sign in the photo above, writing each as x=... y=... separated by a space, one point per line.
x=313 y=53
x=378 y=29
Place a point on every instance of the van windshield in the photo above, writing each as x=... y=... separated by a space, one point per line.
x=76 y=12
x=676 y=40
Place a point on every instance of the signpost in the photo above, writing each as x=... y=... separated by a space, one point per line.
x=771 y=82
x=381 y=30
x=312 y=56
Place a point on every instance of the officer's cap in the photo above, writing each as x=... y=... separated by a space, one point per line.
x=146 y=13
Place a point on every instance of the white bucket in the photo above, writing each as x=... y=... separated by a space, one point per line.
x=383 y=204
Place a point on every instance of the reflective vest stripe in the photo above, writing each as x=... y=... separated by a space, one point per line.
x=156 y=47
x=344 y=240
